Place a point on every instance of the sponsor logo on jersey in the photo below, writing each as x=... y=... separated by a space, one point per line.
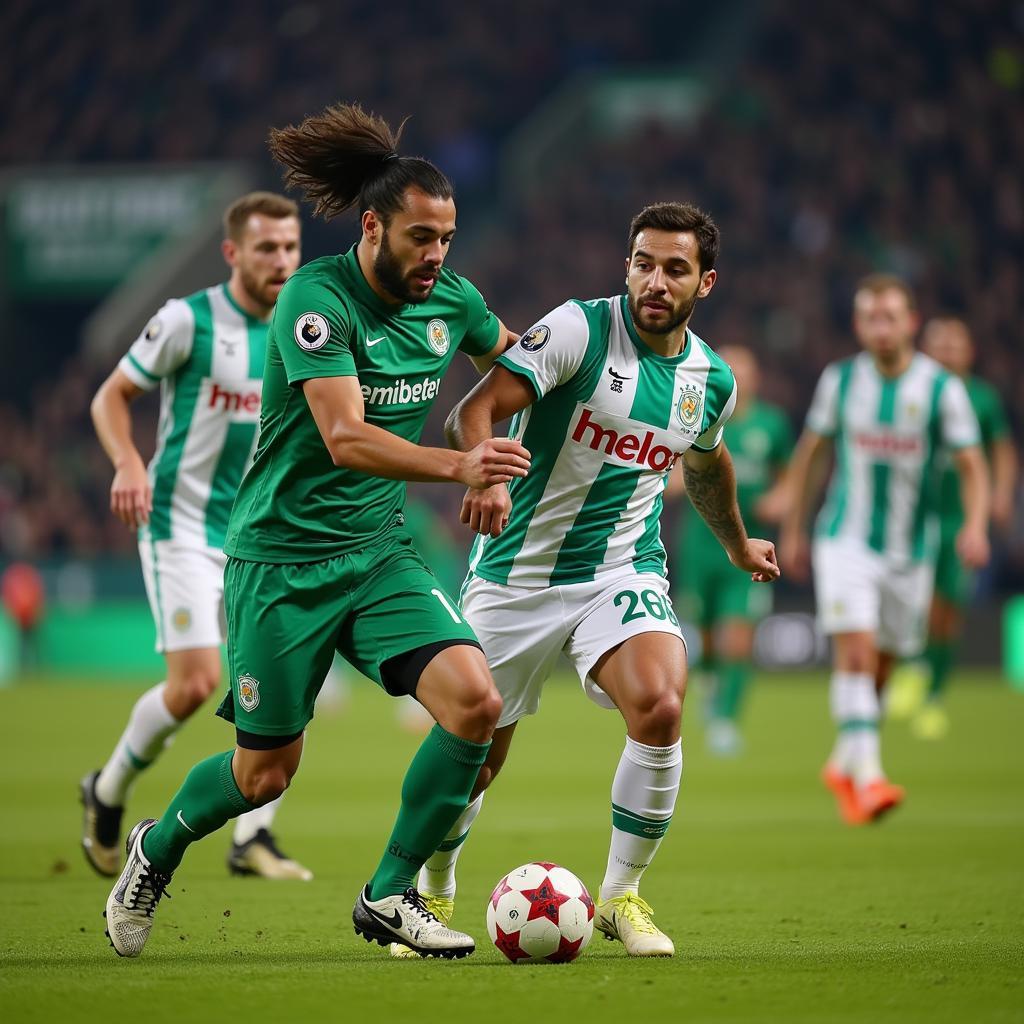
x=689 y=407
x=882 y=443
x=437 y=336
x=234 y=401
x=631 y=449
x=311 y=331
x=153 y=329
x=248 y=692
x=401 y=392
x=535 y=339
x=617 y=379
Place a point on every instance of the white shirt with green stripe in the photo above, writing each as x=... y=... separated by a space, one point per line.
x=207 y=354
x=610 y=420
x=889 y=433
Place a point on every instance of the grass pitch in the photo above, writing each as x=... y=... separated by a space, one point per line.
x=778 y=911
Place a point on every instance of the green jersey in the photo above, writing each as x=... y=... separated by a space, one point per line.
x=206 y=354
x=988 y=407
x=294 y=504
x=610 y=420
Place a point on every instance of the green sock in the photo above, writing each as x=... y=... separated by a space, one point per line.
x=733 y=677
x=939 y=656
x=435 y=792
x=209 y=798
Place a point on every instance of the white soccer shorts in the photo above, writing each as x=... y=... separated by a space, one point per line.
x=185 y=587
x=860 y=590
x=523 y=630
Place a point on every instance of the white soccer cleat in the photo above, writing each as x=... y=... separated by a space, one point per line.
x=630 y=920
x=133 y=900
x=405 y=919
x=262 y=857
x=442 y=907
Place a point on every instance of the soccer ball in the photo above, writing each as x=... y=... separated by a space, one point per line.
x=540 y=912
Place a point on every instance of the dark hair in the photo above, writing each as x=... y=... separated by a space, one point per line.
x=679 y=217
x=344 y=156
x=878 y=283
x=270 y=204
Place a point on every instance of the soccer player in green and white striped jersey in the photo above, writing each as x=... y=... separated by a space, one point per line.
x=607 y=394
x=206 y=353
x=889 y=413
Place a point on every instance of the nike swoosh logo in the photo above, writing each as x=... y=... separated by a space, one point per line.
x=394 y=921
x=186 y=824
x=370 y=342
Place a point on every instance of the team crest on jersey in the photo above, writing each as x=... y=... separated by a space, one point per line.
x=248 y=692
x=689 y=408
x=153 y=329
x=311 y=331
x=437 y=336
x=181 y=619
x=534 y=340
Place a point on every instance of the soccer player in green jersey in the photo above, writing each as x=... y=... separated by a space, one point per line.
x=318 y=560
x=206 y=354
x=948 y=341
x=607 y=394
x=888 y=413
x=726 y=604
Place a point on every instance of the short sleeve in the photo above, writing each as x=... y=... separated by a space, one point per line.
x=482 y=326
x=992 y=417
x=162 y=348
x=712 y=436
x=823 y=415
x=957 y=421
x=312 y=327
x=551 y=351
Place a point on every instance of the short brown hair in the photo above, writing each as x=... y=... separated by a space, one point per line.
x=679 y=217
x=878 y=283
x=270 y=204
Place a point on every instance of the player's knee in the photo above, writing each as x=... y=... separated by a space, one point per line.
x=262 y=785
x=190 y=691
x=657 y=710
x=478 y=707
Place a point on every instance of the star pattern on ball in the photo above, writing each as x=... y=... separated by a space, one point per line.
x=499 y=890
x=508 y=943
x=544 y=901
x=588 y=901
x=567 y=951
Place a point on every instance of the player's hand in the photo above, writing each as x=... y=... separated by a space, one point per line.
x=972 y=547
x=795 y=555
x=757 y=558
x=131 y=497
x=494 y=461
x=487 y=511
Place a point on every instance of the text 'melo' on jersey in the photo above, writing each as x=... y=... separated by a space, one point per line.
x=207 y=354
x=610 y=420
x=889 y=433
x=295 y=505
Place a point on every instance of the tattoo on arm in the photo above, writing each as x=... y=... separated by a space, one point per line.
x=713 y=494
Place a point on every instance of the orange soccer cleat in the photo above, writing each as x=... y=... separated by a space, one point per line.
x=877 y=798
x=846 y=796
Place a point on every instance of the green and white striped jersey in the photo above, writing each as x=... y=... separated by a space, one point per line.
x=206 y=353
x=889 y=433
x=610 y=420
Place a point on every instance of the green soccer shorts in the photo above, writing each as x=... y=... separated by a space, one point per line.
x=286 y=621
x=709 y=590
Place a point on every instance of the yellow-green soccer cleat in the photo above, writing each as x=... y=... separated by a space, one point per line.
x=930 y=723
x=442 y=908
x=906 y=692
x=630 y=920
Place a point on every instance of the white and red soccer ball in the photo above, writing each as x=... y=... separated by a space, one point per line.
x=540 y=912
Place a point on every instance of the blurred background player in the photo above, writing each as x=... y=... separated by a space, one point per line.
x=206 y=353
x=724 y=603
x=887 y=413
x=917 y=694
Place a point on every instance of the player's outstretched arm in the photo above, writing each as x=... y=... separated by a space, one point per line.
x=131 y=497
x=972 y=541
x=802 y=484
x=711 y=485
x=499 y=395
x=337 y=407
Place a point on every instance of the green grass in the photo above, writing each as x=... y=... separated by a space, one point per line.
x=777 y=910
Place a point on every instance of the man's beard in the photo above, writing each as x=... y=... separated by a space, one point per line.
x=389 y=274
x=258 y=291
x=670 y=325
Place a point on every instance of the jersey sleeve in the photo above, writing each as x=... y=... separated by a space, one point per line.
x=957 y=422
x=992 y=417
x=782 y=439
x=313 y=328
x=823 y=415
x=712 y=436
x=162 y=348
x=482 y=326
x=551 y=351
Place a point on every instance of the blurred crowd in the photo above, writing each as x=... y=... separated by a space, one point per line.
x=846 y=139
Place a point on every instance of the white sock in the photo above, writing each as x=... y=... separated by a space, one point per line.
x=643 y=798
x=437 y=876
x=150 y=727
x=854 y=703
x=248 y=824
